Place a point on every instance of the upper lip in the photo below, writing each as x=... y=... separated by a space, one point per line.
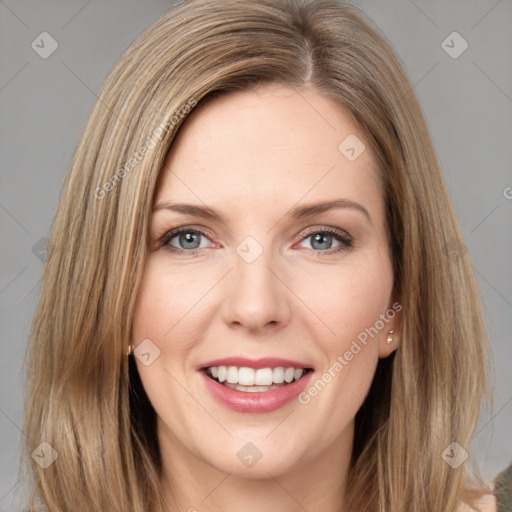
x=264 y=362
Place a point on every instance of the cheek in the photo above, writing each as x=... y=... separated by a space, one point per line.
x=351 y=302
x=160 y=315
x=165 y=298
x=349 y=298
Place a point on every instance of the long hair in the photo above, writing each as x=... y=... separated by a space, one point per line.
x=84 y=397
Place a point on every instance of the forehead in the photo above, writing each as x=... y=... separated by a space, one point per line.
x=266 y=146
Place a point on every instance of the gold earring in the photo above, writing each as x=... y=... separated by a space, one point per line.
x=129 y=350
x=390 y=337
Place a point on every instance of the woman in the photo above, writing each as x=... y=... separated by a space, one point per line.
x=257 y=293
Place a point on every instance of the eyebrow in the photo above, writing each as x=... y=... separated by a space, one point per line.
x=300 y=212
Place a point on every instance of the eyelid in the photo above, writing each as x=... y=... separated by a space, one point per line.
x=325 y=229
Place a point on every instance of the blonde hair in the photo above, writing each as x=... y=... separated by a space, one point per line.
x=84 y=397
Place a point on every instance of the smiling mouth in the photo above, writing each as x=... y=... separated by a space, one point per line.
x=252 y=380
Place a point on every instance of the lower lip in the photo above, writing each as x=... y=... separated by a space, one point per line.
x=261 y=401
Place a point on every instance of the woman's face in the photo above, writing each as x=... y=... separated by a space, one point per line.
x=257 y=275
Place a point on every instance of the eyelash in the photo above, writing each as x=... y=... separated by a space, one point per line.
x=343 y=237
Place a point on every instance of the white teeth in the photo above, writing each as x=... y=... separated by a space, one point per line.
x=245 y=376
x=263 y=377
x=288 y=374
x=252 y=389
x=232 y=376
x=222 y=373
x=278 y=375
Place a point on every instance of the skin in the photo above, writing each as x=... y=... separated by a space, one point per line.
x=253 y=156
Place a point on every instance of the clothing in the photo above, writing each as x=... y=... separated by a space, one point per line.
x=503 y=490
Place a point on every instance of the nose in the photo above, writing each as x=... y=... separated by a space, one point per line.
x=256 y=297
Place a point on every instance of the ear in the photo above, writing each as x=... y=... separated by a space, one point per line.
x=389 y=338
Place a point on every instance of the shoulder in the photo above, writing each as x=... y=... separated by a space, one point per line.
x=498 y=500
x=486 y=503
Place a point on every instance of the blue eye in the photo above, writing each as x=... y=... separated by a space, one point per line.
x=322 y=240
x=189 y=241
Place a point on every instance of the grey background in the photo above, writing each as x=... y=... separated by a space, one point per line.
x=44 y=104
